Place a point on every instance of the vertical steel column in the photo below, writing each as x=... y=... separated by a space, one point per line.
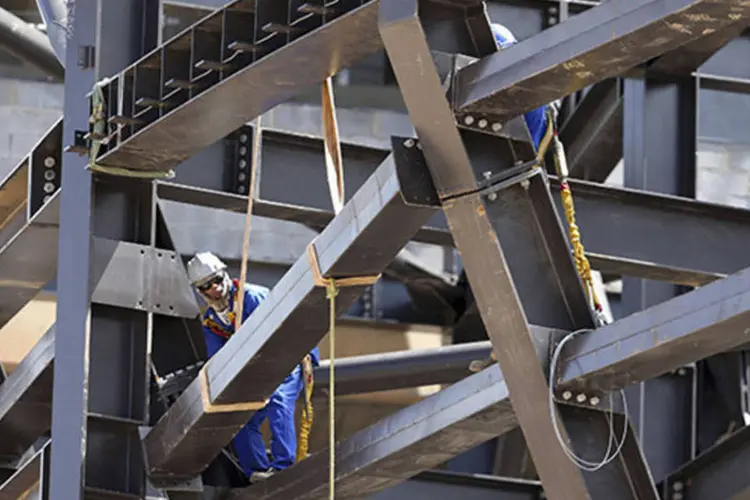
x=100 y=384
x=659 y=137
x=70 y=387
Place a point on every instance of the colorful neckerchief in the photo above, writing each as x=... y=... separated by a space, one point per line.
x=216 y=325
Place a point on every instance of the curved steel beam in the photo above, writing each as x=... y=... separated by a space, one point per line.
x=29 y=44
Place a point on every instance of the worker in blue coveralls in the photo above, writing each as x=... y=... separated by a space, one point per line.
x=536 y=119
x=208 y=274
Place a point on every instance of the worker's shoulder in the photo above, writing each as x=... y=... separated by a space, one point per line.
x=256 y=290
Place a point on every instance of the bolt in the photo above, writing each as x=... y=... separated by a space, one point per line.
x=48 y=187
x=49 y=162
x=241 y=189
x=677 y=486
x=242 y=164
x=594 y=401
x=552 y=20
x=409 y=143
x=243 y=138
x=487 y=174
x=49 y=175
x=581 y=398
x=243 y=151
x=567 y=395
x=469 y=120
x=482 y=123
x=241 y=177
x=677 y=496
x=681 y=372
x=492 y=196
x=46 y=199
x=497 y=127
x=525 y=184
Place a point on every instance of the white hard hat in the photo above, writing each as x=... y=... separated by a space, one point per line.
x=203 y=266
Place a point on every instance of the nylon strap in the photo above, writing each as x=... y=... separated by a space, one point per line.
x=323 y=282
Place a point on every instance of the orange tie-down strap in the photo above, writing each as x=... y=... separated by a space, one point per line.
x=209 y=407
x=321 y=281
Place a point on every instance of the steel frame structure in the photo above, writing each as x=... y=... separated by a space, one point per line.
x=80 y=417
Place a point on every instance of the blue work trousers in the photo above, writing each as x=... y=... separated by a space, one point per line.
x=248 y=443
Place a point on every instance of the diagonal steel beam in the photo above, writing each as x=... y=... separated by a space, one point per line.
x=693 y=326
x=223 y=82
x=600 y=43
x=360 y=241
x=400 y=446
x=27 y=478
x=493 y=229
x=26 y=399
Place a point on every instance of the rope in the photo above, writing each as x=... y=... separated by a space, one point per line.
x=332 y=147
x=579 y=255
x=332 y=286
x=257 y=137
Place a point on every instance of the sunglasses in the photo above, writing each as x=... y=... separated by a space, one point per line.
x=216 y=280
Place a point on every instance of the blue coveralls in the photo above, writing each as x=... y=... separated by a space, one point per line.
x=248 y=443
x=536 y=119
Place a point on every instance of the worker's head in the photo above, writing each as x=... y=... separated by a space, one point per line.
x=207 y=273
x=503 y=36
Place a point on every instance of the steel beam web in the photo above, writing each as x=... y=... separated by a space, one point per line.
x=360 y=241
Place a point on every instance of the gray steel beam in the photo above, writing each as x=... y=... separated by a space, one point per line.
x=718 y=473
x=600 y=43
x=59 y=25
x=100 y=386
x=70 y=384
x=408 y=441
x=456 y=486
x=26 y=400
x=186 y=99
x=693 y=326
x=593 y=133
x=400 y=446
x=514 y=274
x=608 y=217
x=28 y=478
x=29 y=44
x=361 y=240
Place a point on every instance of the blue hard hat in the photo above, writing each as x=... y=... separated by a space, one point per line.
x=503 y=36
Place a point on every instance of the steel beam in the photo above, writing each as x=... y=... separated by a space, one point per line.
x=456 y=486
x=28 y=478
x=394 y=203
x=607 y=216
x=29 y=44
x=402 y=445
x=214 y=77
x=514 y=274
x=26 y=400
x=600 y=43
x=693 y=326
x=593 y=133
x=720 y=472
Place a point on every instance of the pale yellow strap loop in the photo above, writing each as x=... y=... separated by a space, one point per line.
x=209 y=407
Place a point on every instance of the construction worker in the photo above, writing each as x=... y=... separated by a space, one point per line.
x=207 y=273
x=536 y=120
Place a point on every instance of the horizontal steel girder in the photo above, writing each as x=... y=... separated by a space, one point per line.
x=217 y=75
x=600 y=43
x=607 y=216
x=360 y=241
